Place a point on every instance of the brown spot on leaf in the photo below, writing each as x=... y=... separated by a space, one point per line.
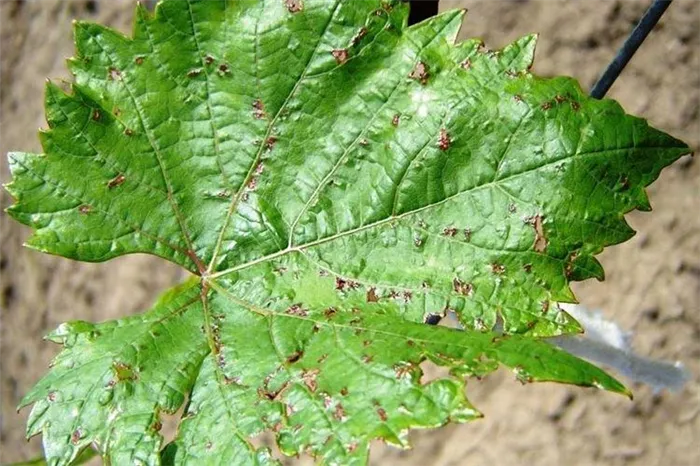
x=96 y=115
x=461 y=287
x=294 y=6
x=322 y=359
x=258 y=109
x=329 y=312
x=382 y=414
x=208 y=59
x=116 y=181
x=467 y=235
x=417 y=241
x=309 y=379
x=372 y=295
x=344 y=391
x=85 y=209
x=545 y=306
x=517 y=98
x=575 y=106
x=339 y=412
x=139 y=60
x=449 y=231
x=340 y=284
x=340 y=55
x=270 y=142
x=297 y=310
x=156 y=426
x=367 y=359
x=114 y=74
x=407 y=296
x=364 y=142
x=252 y=183
x=559 y=99
x=527 y=268
x=224 y=69
x=466 y=64
x=360 y=34
x=76 y=436
x=420 y=73
x=117 y=112
x=123 y=371
x=395 y=120
x=541 y=241
x=512 y=208
x=444 y=140
x=546 y=106
x=497 y=268
x=194 y=72
x=51 y=396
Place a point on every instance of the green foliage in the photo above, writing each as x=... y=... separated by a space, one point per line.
x=332 y=178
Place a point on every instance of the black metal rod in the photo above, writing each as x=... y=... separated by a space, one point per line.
x=626 y=52
x=421 y=10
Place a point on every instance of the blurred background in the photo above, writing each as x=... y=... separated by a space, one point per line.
x=652 y=286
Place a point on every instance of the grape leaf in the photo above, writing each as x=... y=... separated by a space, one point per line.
x=333 y=179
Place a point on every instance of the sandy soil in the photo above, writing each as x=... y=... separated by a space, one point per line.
x=652 y=286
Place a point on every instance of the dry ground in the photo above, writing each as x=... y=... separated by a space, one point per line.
x=653 y=281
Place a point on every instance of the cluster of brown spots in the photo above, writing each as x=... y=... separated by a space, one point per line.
x=449 y=231
x=341 y=284
x=339 y=412
x=297 y=310
x=308 y=377
x=329 y=312
x=114 y=74
x=466 y=64
x=372 y=295
x=420 y=73
x=85 y=209
x=116 y=181
x=96 y=115
x=340 y=55
x=395 y=119
x=294 y=6
x=270 y=142
x=76 y=436
x=541 y=240
x=252 y=183
x=360 y=34
x=462 y=287
x=444 y=140
x=497 y=268
x=194 y=72
x=139 y=60
x=258 y=109
x=224 y=69
x=294 y=357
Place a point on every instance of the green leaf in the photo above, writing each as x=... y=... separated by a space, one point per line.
x=333 y=178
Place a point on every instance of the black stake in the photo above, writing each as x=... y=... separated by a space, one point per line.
x=635 y=39
x=422 y=9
